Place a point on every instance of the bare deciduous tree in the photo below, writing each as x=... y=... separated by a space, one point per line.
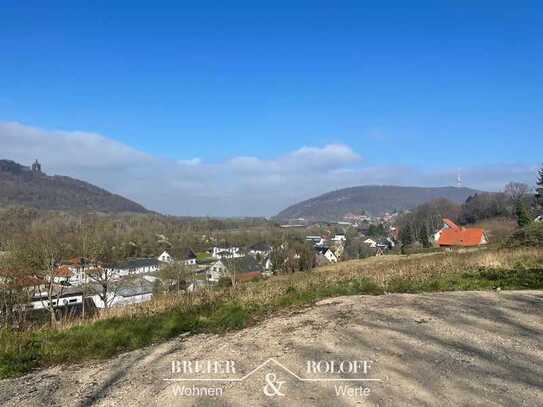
x=516 y=190
x=41 y=252
x=177 y=273
x=104 y=256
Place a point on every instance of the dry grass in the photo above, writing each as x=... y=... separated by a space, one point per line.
x=132 y=327
x=379 y=269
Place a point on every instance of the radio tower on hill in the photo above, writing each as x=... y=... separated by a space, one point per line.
x=459 y=182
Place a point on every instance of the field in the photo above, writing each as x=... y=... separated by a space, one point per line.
x=134 y=327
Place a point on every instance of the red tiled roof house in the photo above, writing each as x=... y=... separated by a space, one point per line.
x=453 y=235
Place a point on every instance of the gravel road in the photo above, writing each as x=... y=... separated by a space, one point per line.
x=445 y=349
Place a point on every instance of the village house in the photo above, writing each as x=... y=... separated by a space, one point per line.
x=76 y=272
x=339 y=238
x=452 y=235
x=64 y=275
x=165 y=257
x=186 y=257
x=327 y=253
x=61 y=296
x=240 y=265
x=338 y=250
x=371 y=243
x=137 y=266
x=268 y=266
x=261 y=249
x=316 y=240
x=226 y=252
x=125 y=291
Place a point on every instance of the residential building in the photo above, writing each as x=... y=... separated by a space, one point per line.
x=225 y=267
x=452 y=235
x=125 y=292
x=268 y=266
x=61 y=296
x=316 y=240
x=187 y=257
x=226 y=252
x=64 y=275
x=261 y=249
x=165 y=257
x=328 y=254
x=137 y=266
x=371 y=243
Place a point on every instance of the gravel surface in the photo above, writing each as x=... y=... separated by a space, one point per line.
x=445 y=349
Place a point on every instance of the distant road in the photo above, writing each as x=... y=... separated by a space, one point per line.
x=439 y=349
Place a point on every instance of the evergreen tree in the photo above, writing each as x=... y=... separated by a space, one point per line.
x=539 y=189
x=424 y=237
x=406 y=235
x=523 y=214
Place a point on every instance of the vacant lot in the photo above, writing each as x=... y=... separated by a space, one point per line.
x=448 y=349
x=224 y=310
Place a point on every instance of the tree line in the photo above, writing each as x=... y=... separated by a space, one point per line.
x=517 y=201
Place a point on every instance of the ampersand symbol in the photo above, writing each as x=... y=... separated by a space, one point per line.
x=273 y=386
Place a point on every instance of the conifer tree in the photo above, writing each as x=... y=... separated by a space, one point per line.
x=539 y=189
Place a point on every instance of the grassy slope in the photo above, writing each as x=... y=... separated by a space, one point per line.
x=220 y=310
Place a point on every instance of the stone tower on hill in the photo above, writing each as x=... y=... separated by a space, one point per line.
x=36 y=167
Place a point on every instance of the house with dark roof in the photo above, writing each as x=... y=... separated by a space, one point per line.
x=226 y=252
x=262 y=249
x=327 y=253
x=137 y=266
x=125 y=291
x=165 y=257
x=185 y=256
x=240 y=265
x=60 y=296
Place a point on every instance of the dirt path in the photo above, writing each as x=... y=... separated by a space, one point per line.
x=447 y=349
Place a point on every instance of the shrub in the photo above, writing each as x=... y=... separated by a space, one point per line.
x=531 y=235
x=19 y=353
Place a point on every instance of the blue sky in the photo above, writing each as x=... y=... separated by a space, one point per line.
x=420 y=88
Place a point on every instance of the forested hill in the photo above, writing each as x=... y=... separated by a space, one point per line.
x=22 y=186
x=372 y=199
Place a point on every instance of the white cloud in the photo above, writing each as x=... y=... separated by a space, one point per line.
x=241 y=186
x=330 y=155
x=67 y=149
x=193 y=161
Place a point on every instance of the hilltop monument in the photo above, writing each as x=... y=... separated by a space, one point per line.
x=36 y=167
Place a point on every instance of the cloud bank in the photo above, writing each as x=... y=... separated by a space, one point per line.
x=241 y=186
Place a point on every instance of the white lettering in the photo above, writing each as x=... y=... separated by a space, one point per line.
x=349 y=391
x=194 y=391
x=218 y=367
x=342 y=366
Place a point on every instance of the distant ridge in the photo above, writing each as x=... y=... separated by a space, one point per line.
x=373 y=199
x=29 y=186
